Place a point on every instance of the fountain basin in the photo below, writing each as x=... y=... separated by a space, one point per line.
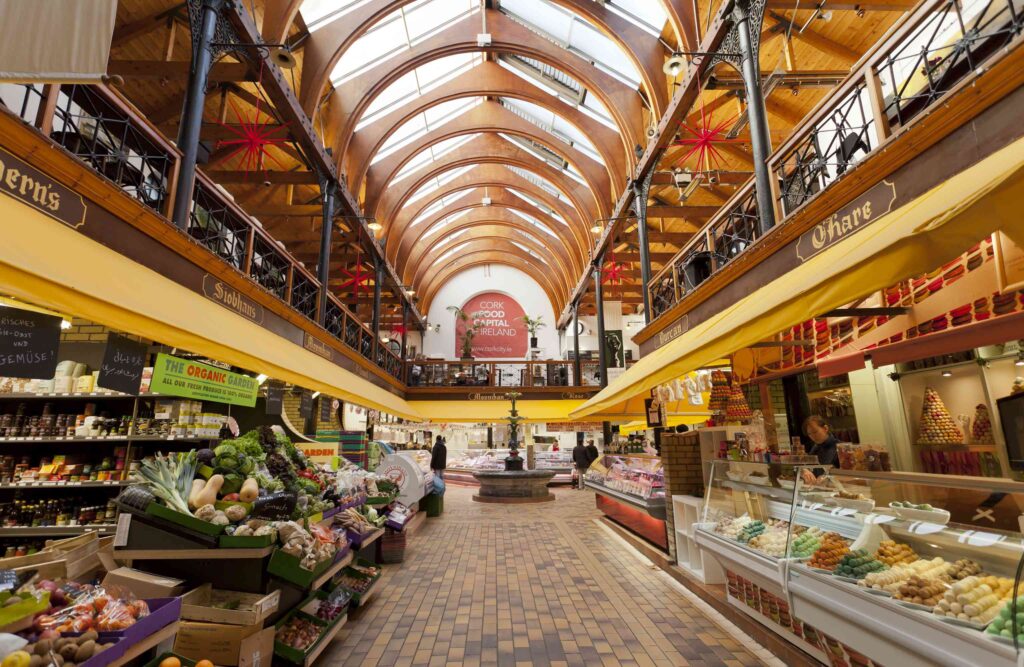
x=514 y=486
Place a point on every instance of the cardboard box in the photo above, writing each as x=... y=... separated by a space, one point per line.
x=143 y=584
x=228 y=645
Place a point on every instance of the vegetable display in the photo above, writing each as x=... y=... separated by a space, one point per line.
x=169 y=478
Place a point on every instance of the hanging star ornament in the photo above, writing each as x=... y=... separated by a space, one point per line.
x=611 y=272
x=704 y=140
x=398 y=330
x=254 y=138
x=358 y=280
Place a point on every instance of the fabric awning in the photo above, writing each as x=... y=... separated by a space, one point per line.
x=676 y=420
x=55 y=41
x=553 y=410
x=45 y=262
x=916 y=238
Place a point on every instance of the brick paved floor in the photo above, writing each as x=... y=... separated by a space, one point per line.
x=532 y=585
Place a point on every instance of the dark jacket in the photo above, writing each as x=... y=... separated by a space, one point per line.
x=439 y=457
x=827 y=452
x=592 y=454
x=580 y=457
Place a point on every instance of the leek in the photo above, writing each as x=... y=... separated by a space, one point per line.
x=169 y=478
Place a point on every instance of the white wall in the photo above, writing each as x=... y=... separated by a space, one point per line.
x=613 y=319
x=490 y=278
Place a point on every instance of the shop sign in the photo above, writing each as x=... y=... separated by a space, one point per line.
x=870 y=206
x=232 y=299
x=28 y=344
x=326 y=410
x=123 y=361
x=317 y=347
x=500 y=330
x=30 y=186
x=675 y=331
x=319 y=452
x=573 y=427
x=175 y=376
x=306 y=404
x=655 y=412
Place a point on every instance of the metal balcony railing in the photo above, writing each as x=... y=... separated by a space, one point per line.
x=926 y=55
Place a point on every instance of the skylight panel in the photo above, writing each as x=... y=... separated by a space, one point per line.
x=534 y=221
x=543 y=15
x=385 y=39
x=445 y=222
x=589 y=40
x=449 y=253
x=430 y=155
x=553 y=123
x=453 y=236
x=402 y=90
x=648 y=15
x=318 y=13
x=421 y=123
x=425 y=18
x=436 y=182
x=539 y=206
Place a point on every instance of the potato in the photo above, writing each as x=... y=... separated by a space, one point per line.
x=86 y=636
x=43 y=646
x=68 y=651
x=85 y=650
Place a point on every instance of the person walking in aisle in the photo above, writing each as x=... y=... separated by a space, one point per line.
x=580 y=462
x=439 y=457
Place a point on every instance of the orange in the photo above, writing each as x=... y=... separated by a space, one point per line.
x=204 y=663
x=170 y=661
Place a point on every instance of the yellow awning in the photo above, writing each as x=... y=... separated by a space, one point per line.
x=914 y=239
x=47 y=263
x=494 y=411
x=673 y=420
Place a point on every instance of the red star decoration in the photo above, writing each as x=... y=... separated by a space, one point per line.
x=705 y=136
x=254 y=138
x=398 y=330
x=611 y=272
x=358 y=279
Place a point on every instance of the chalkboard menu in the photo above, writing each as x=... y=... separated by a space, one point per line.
x=306 y=405
x=28 y=344
x=123 y=362
x=275 y=399
x=326 y=413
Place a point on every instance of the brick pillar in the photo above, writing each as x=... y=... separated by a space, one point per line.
x=680 y=457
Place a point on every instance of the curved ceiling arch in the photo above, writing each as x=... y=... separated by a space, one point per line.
x=506 y=253
x=504 y=180
x=498 y=240
x=475 y=213
x=485 y=149
x=328 y=44
x=518 y=259
x=490 y=118
x=487 y=79
x=352 y=98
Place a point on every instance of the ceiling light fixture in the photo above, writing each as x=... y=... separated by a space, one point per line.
x=261 y=378
x=674 y=65
x=596 y=229
x=374 y=226
x=947 y=373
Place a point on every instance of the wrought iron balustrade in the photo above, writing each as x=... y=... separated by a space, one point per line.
x=334 y=319
x=269 y=267
x=505 y=374
x=217 y=226
x=305 y=297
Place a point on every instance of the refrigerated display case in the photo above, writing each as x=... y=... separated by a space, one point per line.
x=463 y=463
x=560 y=462
x=630 y=490
x=862 y=567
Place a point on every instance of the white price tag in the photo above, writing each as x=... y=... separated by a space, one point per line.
x=124 y=523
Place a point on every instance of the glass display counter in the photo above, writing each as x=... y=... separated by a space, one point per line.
x=876 y=568
x=464 y=462
x=630 y=490
x=560 y=462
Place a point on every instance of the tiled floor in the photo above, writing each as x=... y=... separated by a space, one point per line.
x=532 y=585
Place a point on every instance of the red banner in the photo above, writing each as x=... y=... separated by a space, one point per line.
x=501 y=332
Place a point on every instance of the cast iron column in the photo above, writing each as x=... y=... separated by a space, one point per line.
x=192 y=115
x=599 y=299
x=641 y=189
x=577 y=369
x=405 y=327
x=378 y=280
x=323 y=266
x=760 y=140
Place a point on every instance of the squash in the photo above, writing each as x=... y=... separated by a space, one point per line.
x=197 y=487
x=208 y=495
x=250 y=491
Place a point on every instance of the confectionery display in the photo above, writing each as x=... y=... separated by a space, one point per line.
x=975 y=600
x=771 y=543
x=893 y=553
x=963 y=568
x=640 y=476
x=806 y=543
x=720 y=391
x=731 y=528
x=857 y=564
x=1003 y=623
x=981 y=426
x=872 y=457
x=937 y=426
x=751 y=530
x=737 y=409
x=833 y=549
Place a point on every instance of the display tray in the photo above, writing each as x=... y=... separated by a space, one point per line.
x=285 y=566
x=652 y=506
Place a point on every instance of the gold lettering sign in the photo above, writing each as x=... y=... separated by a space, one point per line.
x=216 y=290
x=30 y=186
x=856 y=215
x=317 y=347
x=675 y=331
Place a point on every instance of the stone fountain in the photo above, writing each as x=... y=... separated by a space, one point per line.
x=513 y=484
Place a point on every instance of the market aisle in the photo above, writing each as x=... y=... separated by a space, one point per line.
x=530 y=585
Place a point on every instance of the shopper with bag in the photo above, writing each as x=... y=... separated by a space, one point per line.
x=581 y=460
x=439 y=458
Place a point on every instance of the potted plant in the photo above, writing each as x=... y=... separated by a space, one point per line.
x=533 y=325
x=467 y=337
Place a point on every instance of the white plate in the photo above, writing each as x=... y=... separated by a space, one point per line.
x=937 y=516
x=864 y=506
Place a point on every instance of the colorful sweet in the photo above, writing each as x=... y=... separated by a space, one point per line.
x=772 y=543
x=832 y=550
x=752 y=529
x=737 y=409
x=918 y=590
x=890 y=580
x=937 y=426
x=806 y=543
x=963 y=568
x=975 y=599
x=857 y=564
x=894 y=553
x=981 y=427
x=1003 y=622
x=730 y=528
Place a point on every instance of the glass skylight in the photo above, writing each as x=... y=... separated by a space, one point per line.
x=449 y=253
x=539 y=75
x=533 y=221
x=576 y=34
x=438 y=205
x=540 y=206
x=436 y=182
x=554 y=124
x=422 y=123
x=445 y=221
x=430 y=155
x=646 y=14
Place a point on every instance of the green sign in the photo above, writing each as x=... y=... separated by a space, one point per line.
x=190 y=379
